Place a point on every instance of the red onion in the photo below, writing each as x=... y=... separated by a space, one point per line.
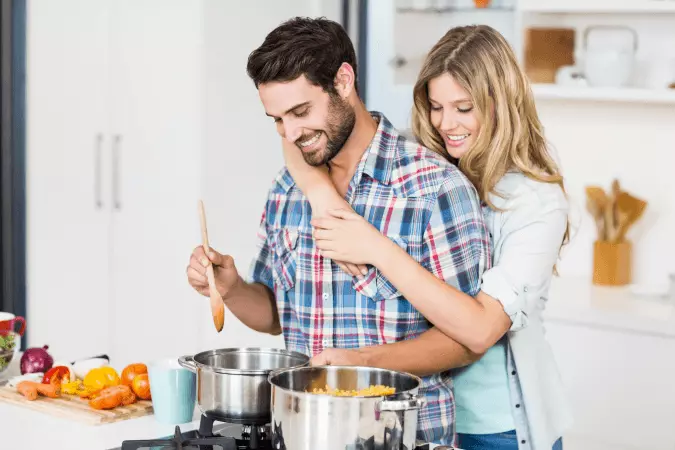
x=36 y=360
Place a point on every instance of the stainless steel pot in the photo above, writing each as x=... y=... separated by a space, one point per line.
x=232 y=383
x=302 y=420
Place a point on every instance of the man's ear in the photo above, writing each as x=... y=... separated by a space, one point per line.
x=344 y=80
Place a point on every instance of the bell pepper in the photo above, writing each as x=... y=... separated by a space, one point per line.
x=57 y=375
x=100 y=378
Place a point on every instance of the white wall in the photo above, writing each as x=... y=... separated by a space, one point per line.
x=242 y=153
x=634 y=143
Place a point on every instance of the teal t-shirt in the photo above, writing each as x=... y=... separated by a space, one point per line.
x=482 y=396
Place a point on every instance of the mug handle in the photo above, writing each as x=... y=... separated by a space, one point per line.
x=19 y=319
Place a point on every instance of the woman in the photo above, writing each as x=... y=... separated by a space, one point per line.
x=474 y=106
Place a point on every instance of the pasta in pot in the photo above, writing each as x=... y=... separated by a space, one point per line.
x=371 y=391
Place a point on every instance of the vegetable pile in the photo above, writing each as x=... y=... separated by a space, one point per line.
x=101 y=385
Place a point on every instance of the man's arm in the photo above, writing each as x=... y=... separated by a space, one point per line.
x=255 y=306
x=252 y=303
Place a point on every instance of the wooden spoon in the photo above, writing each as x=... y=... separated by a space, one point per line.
x=630 y=210
x=217 y=306
x=597 y=205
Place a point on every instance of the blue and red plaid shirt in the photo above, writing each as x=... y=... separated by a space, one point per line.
x=421 y=202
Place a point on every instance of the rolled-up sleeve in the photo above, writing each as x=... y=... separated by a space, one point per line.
x=456 y=240
x=527 y=250
x=261 y=267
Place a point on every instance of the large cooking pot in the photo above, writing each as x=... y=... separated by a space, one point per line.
x=302 y=420
x=232 y=383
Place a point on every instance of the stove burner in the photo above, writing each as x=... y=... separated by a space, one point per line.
x=227 y=437
x=247 y=437
x=183 y=442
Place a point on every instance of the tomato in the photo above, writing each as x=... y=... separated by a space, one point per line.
x=57 y=375
x=141 y=386
x=131 y=371
x=101 y=378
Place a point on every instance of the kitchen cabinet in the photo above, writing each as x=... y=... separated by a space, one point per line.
x=620 y=384
x=614 y=349
x=114 y=143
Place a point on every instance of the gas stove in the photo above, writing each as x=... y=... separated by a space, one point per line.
x=211 y=436
x=222 y=436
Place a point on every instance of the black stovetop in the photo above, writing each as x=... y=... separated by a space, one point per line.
x=220 y=436
x=209 y=436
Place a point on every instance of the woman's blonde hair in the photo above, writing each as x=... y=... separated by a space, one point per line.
x=511 y=136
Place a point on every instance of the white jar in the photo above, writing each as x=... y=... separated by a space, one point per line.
x=609 y=56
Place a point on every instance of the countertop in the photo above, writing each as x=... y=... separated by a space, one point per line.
x=577 y=301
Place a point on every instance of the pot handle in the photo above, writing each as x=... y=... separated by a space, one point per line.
x=414 y=402
x=188 y=362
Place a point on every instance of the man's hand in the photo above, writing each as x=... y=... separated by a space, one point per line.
x=339 y=357
x=225 y=272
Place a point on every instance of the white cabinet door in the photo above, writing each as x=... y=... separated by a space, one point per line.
x=157 y=117
x=68 y=199
x=621 y=386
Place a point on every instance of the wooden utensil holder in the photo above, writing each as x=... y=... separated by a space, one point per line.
x=612 y=263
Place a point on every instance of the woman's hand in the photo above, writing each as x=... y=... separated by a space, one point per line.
x=346 y=236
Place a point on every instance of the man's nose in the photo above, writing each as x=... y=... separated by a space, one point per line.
x=292 y=132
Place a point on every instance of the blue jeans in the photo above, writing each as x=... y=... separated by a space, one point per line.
x=499 y=441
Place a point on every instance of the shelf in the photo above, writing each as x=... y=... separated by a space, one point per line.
x=652 y=7
x=458 y=9
x=622 y=95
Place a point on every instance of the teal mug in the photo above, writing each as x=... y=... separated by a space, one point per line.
x=173 y=390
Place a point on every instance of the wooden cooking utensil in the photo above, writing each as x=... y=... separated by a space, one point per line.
x=597 y=205
x=217 y=306
x=630 y=209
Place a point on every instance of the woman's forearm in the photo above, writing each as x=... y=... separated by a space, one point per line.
x=477 y=323
x=314 y=182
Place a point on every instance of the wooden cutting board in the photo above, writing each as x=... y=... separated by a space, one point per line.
x=74 y=408
x=547 y=50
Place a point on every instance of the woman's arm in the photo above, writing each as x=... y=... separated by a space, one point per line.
x=533 y=233
x=314 y=182
x=317 y=186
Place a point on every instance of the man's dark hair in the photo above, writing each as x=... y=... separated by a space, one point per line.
x=314 y=48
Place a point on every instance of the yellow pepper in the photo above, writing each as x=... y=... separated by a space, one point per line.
x=100 y=378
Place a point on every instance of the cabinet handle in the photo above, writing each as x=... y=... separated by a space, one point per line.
x=117 y=204
x=98 y=202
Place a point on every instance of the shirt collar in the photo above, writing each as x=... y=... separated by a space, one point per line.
x=378 y=159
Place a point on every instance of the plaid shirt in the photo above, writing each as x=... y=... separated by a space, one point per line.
x=418 y=200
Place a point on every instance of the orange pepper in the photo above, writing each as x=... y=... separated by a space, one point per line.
x=100 y=378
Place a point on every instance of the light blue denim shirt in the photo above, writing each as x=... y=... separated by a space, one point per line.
x=526 y=233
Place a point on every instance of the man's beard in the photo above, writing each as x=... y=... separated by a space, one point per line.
x=339 y=126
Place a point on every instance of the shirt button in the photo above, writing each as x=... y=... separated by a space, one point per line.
x=325 y=296
x=518 y=405
x=523 y=441
x=325 y=342
x=525 y=289
x=513 y=372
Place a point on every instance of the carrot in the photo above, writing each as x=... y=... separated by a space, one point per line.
x=28 y=389
x=31 y=389
x=112 y=397
x=49 y=390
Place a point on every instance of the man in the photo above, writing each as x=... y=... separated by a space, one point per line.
x=305 y=72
